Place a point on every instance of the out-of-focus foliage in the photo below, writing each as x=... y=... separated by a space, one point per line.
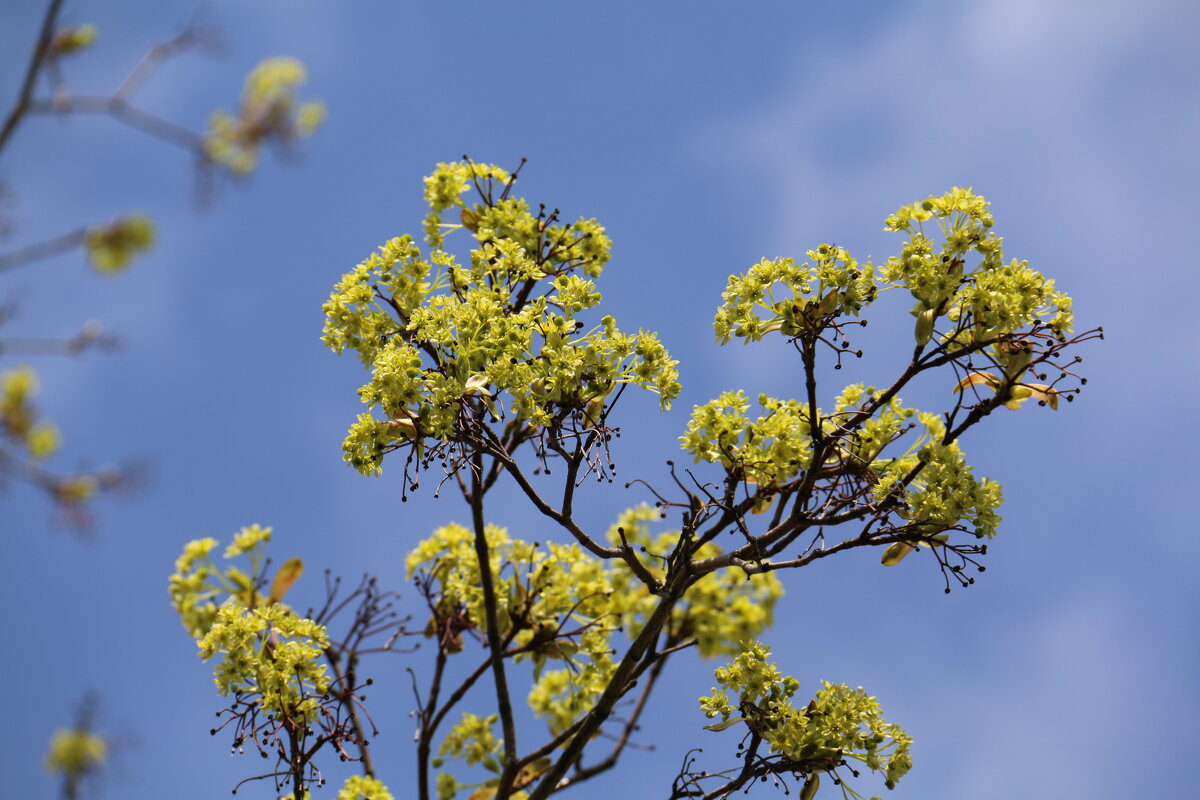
x=269 y=112
x=111 y=247
x=74 y=751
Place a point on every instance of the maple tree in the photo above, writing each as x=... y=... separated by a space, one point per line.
x=493 y=370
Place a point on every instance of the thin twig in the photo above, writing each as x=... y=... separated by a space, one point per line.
x=35 y=64
x=40 y=250
x=119 y=109
x=630 y=726
x=625 y=672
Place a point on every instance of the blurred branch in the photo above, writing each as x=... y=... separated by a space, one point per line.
x=70 y=493
x=40 y=250
x=191 y=36
x=117 y=104
x=92 y=335
x=35 y=64
x=119 y=109
x=85 y=715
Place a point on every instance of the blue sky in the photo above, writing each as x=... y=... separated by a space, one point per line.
x=705 y=136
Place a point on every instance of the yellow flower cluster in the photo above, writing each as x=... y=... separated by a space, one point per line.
x=840 y=723
x=267 y=651
x=111 y=247
x=70 y=40
x=269 y=112
x=361 y=787
x=18 y=418
x=74 y=751
x=559 y=604
x=270 y=653
x=444 y=339
x=984 y=300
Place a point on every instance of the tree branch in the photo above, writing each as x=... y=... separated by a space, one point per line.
x=428 y=726
x=17 y=113
x=621 y=682
x=503 y=700
x=631 y=724
x=747 y=773
x=625 y=552
x=119 y=109
x=36 y=252
x=346 y=681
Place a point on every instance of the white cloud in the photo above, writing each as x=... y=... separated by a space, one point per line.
x=1034 y=104
x=1030 y=102
x=997 y=90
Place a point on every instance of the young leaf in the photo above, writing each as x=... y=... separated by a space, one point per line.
x=729 y=723
x=977 y=379
x=531 y=771
x=289 y=572
x=810 y=786
x=401 y=428
x=896 y=553
x=470 y=220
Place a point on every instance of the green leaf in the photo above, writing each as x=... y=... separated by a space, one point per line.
x=896 y=553
x=810 y=786
x=924 y=329
x=729 y=723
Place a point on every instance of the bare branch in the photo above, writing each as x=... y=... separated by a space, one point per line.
x=624 y=553
x=36 y=61
x=36 y=252
x=503 y=700
x=119 y=109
